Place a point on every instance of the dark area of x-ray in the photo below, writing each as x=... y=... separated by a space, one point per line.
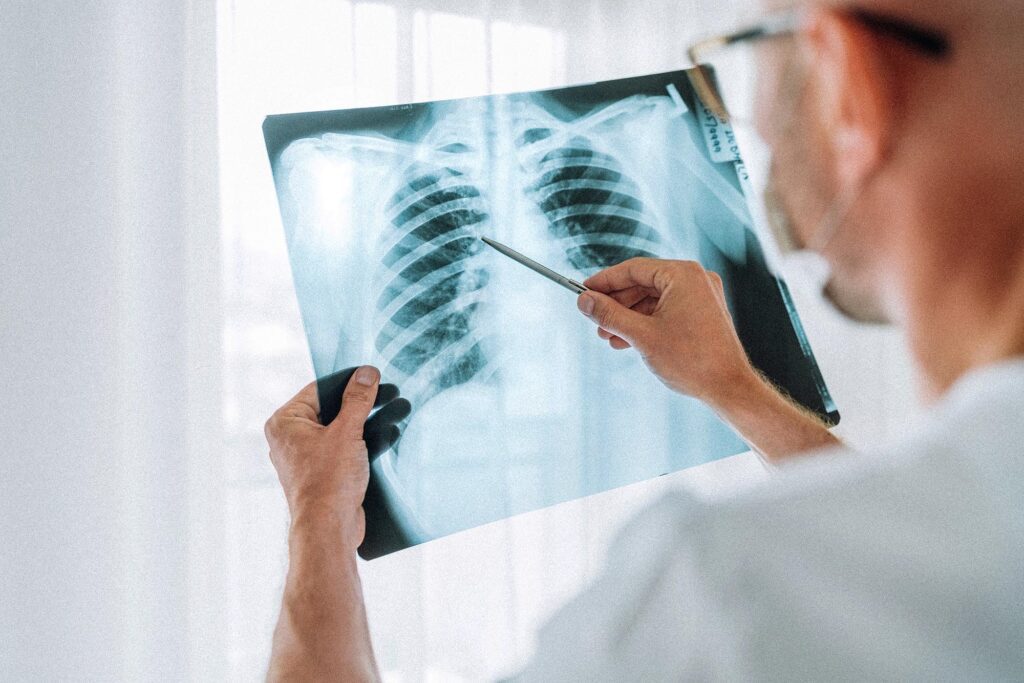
x=517 y=405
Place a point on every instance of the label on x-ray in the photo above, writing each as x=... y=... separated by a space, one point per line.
x=745 y=184
x=719 y=136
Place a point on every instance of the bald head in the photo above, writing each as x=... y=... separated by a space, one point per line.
x=987 y=35
x=911 y=159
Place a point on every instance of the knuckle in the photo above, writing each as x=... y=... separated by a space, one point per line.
x=634 y=266
x=685 y=271
x=691 y=267
x=358 y=394
x=645 y=263
x=270 y=427
x=636 y=261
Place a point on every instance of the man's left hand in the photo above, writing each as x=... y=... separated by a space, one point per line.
x=325 y=470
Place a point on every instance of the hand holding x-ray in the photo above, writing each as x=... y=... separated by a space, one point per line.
x=381 y=431
x=675 y=314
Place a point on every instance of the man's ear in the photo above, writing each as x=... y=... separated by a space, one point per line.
x=854 y=93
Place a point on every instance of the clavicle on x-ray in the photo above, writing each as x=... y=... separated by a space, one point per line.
x=517 y=404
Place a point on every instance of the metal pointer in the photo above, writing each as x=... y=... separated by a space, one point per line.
x=571 y=285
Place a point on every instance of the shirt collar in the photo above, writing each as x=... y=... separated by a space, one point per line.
x=1000 y=378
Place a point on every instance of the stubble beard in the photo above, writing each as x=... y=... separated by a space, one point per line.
x=853 y=301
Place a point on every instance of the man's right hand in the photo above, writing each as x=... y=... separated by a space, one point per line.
x=675 y=315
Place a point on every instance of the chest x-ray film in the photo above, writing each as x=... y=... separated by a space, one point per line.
x=517 y=404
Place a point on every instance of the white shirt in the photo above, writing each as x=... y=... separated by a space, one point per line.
x=906 y=564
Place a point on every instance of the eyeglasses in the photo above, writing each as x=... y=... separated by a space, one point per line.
x=726 y=66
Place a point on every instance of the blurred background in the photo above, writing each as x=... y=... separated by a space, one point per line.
x=150 y=328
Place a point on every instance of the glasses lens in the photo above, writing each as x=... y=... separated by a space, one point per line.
x=734 y=77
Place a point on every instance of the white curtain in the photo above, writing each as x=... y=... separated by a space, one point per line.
x=110 y=342
x=149 y=328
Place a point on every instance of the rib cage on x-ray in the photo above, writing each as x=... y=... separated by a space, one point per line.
x=431 y=312
x=592 y=207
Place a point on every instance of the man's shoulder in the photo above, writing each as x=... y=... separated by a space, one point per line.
x=830 y=479
x=954 y=481
x=972 y=439
x=836 y=563
x=972 y=443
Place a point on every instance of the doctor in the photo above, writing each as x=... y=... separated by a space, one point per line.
x=896 y=128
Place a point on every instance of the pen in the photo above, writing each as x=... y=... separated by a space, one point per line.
x=569 y=284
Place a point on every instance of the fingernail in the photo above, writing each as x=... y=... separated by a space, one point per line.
x=366 y=376
x=586 y=304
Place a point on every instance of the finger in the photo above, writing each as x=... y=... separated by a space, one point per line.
x=386 y=393
x=380 y=442
x=392 y=413
x=630 y=297
x=612 y=316
x=646 y=307
x=356 y=403
x=637 y=272
x=619 y=344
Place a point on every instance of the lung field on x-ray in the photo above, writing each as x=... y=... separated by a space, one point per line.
x=592 y=207
x=429 y=307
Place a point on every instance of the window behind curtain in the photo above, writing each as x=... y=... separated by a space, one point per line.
x=301 y=56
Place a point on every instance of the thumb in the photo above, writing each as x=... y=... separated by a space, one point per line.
x=356 y=403
x=612 y=316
